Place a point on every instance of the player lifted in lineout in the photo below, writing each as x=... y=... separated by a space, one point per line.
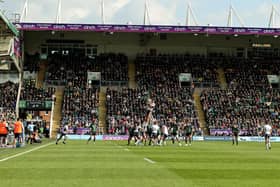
x=149 y=115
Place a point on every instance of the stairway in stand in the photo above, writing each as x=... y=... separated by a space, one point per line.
x=57 y=110
x=222 y=78
x=199 y=110
x=41 y=74
x=102 y=110
x=131 y=75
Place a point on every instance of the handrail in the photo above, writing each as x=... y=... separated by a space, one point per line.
x=51 y=121
x=18 y=95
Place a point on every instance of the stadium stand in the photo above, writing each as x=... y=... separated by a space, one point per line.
x=8 y=95
x=165 y=68
x=31 y=63
x=30 y=92
x=79 y=106
x=249 y=101
x=62 y=69
x=157 y=78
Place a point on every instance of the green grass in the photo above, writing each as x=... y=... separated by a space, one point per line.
x=115 y=164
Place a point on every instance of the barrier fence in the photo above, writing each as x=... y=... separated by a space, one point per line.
x=195 y=138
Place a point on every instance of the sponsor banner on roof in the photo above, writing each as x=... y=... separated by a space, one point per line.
x=148 y=28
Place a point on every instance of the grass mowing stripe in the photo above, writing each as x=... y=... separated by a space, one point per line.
x=211 y=164
x=25 y=152
x=149 y=160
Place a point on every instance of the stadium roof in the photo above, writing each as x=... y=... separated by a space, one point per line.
x=254 y=13
x=148 y=29
x=9 y=24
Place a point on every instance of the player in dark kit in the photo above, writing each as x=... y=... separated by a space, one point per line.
x=93 y=128
x=131 y=133
x=235 y=132
x=175 y=131
x=188 y=133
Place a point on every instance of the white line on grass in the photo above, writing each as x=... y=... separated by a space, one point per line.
x=119 y=146
x=25 y=152
x=149 y=160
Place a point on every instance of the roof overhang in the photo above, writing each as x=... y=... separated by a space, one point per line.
x=148 y=29
x=10 y=25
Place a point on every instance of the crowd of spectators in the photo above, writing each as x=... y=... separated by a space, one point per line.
x=80 y=106
x=8 y=114
x=247 y=74
x=128 y=106
x=31 y=93
x=63 y=69
x=165 y=69
x=249 y=101
x=8 y=95
x=157 y=78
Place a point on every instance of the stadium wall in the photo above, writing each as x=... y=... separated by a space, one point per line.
x=133 y=43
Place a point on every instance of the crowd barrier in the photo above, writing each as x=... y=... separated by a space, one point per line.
x=195 y=138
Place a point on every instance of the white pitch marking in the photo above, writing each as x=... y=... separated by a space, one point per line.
x=149 y=160
x=23 y=153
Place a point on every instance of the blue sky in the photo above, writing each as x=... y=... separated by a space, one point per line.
x=171 y=12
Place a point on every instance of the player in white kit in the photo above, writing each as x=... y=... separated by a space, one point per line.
x=267 y=133
x=164 y=133
x=63 y=134
x=149 y=115
x=155 y=131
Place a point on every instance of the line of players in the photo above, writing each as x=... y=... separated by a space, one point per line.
x=156 y=133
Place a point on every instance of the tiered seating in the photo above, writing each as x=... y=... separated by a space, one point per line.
x=30 y=92
x=166 y=66
x=124 y=107
x=8 y=95
x=245 y=74
x=63 y=69
x=249 y=102
x=80 y=105
x=157 y=78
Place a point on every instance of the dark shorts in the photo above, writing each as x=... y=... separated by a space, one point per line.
x=93 y=133
x=235 y=134
x=164 y=136
x=174 y=134
x=188 y=134
x=136 y=134
x=154 y=135
x=267 y=136
x=149 y=133
x=3 y=135
x=17 y=135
